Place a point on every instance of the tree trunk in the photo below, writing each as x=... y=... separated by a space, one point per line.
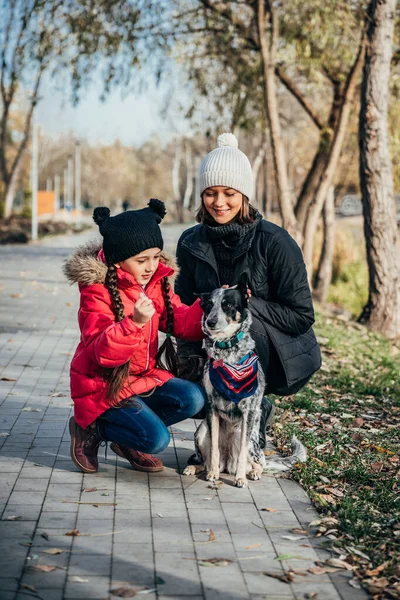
x=256 y=168
x=331 y=164
x=189 y=175
x=323 y=276
x=176 y=181
x=268 y=57
x=10 y=189
x=382 y=311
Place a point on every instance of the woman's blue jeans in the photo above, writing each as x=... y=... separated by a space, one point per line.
x=141 y=423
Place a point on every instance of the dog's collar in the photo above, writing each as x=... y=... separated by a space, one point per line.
x=231 y=342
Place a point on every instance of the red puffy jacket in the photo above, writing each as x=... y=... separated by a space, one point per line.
x=107 y=343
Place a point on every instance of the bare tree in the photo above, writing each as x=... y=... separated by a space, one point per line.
x=382 y=311
x=38 y=36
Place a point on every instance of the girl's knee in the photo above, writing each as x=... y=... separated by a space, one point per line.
x=194 y=399
x=158 y=442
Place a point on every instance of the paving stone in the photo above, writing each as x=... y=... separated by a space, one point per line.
x=179 y=572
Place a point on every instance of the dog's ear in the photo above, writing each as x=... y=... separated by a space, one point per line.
x=204 y=298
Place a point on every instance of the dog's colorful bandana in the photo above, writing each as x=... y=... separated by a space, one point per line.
x=235 y=382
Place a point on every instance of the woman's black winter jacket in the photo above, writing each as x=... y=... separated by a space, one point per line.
x=280 y=304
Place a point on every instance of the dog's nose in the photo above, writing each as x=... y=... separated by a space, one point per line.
x=211 y=323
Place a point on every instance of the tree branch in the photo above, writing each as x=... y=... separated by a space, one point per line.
x=302 y=100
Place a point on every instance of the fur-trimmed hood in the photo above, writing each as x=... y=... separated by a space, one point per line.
x=86 y=268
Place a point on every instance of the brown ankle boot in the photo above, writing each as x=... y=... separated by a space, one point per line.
x=84 y=447
x=139 y=460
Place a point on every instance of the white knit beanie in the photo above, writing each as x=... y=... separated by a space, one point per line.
x=227 y=166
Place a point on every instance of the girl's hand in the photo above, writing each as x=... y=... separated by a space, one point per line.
x=143 y=310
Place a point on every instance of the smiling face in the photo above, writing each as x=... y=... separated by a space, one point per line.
x=142 y=266
x=222 y=203
x=223 y=312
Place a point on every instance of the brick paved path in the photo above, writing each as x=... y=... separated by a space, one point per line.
x=146 y=530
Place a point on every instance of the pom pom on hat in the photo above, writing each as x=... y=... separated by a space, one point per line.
x=159 y=207
x=227 y=139
x=227 y=166
x=101 y=214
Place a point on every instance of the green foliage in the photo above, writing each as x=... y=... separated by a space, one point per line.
x=348 y=417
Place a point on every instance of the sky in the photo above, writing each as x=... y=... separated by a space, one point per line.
x=132 y=119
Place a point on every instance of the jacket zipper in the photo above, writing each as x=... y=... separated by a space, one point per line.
x=149 y=342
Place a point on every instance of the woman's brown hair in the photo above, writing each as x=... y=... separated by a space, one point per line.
x=117 y=376
x=244 y=215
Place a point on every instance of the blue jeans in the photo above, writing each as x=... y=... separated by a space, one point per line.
x=141 y=423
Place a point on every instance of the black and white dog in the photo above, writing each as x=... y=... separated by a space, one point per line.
x=227 y=439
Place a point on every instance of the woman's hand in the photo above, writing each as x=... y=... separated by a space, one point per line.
x=143 y=310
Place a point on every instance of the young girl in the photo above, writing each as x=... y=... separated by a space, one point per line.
x=120 y=391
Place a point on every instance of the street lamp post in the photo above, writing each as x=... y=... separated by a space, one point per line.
x=34 y=180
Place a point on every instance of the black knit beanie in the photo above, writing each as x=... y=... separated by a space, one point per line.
x=130 y=232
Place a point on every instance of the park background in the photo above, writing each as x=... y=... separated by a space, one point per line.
x=311 y=90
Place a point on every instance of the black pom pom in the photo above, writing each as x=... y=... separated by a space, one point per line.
x=101 y=214
x=158 y=206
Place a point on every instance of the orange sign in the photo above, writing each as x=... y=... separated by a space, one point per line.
x=46 y=203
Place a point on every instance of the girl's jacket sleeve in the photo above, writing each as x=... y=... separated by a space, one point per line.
x=109 y=343
x=187 y=320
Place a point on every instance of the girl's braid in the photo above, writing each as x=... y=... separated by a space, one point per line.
x=116 y=376
x=168 y=345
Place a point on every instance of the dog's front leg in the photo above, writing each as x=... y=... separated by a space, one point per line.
x=240 y=477
x=213 y=472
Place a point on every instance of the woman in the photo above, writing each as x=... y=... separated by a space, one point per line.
x=233 y=241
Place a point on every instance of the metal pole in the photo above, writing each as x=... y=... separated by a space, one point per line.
x=57 y=183
x=34 y=180
x=65 y=187
x=70 y=181
x=78 y=176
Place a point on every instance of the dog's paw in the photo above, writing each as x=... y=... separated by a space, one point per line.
x=240 y=482
x=189 y=470
x=212 y=475
x=255 y=474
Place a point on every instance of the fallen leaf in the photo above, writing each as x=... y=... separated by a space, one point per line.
x=14 y=518
x=335 y=492
x=373 y=572
x=28 y=587
x=286 y=556
x=355 y=583
x=340 y=564
x=159 y=515
x=44 y=568
x=89 y=490
x=358 y=422
x=57 y=395
x=8 y=379
x=212 y=537
x=53 y=551
x=321 y=570
x=124 y=592
x=68 y=304
x=45 y=535
x=269 y=509
x=4 y=434
x=293 y=538
x=74 y=532
x=215 y=562
x=311 y=595
x=77 y=579
x=269 y=452
x=300 y=531
x=285 y=577
x=298 y=572
x=30 y=409
x=377 y=466
x=253 y=546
